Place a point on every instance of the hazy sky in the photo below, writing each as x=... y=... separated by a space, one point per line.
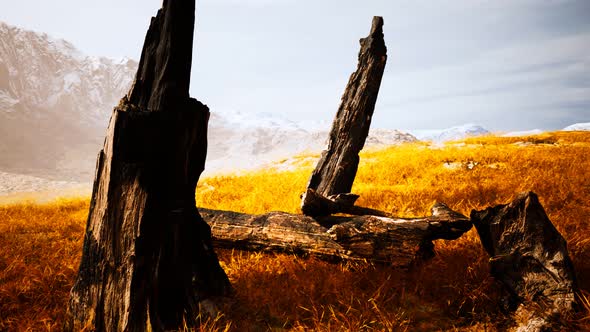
x=502 y=64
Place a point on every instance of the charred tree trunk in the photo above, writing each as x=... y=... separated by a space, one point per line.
x=396 y=241
x=337 y=167
x=148 y=261
x=530 y=259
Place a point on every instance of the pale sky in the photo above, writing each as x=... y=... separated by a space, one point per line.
x=506 y=65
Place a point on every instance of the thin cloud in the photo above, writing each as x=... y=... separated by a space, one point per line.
x=548 y=76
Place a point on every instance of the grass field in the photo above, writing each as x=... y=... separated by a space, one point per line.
x=40 y=244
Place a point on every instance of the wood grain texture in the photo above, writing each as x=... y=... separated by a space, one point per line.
x=313 y=204
x=147 y=261
x=338 y=164
x=396 y=241
x=529 y=257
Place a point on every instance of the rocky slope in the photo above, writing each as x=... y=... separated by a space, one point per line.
x=450 y=134
x=245 y=141
x=585 y=126
x=54 y=103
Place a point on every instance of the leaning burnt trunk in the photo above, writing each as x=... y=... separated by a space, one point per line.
x=148 y=260
x=335 y=172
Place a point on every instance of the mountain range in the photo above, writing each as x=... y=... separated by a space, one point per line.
x=55 y=103
x=244 y=141
x=450 y=134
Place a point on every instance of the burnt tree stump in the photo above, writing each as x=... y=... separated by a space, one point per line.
x=335 y=172
x=530 y=259
x=148 y=261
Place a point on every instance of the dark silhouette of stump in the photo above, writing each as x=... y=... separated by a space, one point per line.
x=335 y=172
x=147 y=261
x=530 y=259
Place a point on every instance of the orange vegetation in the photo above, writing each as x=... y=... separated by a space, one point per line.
x=40 y=245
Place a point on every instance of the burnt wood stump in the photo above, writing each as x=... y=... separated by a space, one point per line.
x=529 y=257
x=148 y=261
x=335 y=171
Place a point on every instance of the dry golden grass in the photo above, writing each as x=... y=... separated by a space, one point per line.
x=40 y=247
x=40 y=244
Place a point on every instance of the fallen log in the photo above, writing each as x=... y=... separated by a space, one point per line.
x=396 y=241
x=530 y=259
x=338 y=164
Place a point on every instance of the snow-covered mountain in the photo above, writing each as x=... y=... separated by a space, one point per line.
x=54 y=103
x=37 y=71
x=244 y=141
x=585 y=126
x=450 y=134
x=531 y=132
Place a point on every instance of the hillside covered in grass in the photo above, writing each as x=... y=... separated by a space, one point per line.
x=40 y=244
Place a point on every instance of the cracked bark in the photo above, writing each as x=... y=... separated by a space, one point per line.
x=396 y=241
x=529 y=257
x=147 y=260
x=335 y=172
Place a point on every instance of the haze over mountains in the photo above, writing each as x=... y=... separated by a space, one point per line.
x=241 y=141
x=55 y=103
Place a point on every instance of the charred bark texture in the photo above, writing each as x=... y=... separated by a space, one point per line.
x=148 y=261
x=317 y=205
x=530 y=259
x=396 y=241
x=337 y=167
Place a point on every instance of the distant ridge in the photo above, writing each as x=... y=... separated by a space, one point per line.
x=523 y=133
x=54 y=103
x=246 y=141
x=584 y=126
x=450 y=134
